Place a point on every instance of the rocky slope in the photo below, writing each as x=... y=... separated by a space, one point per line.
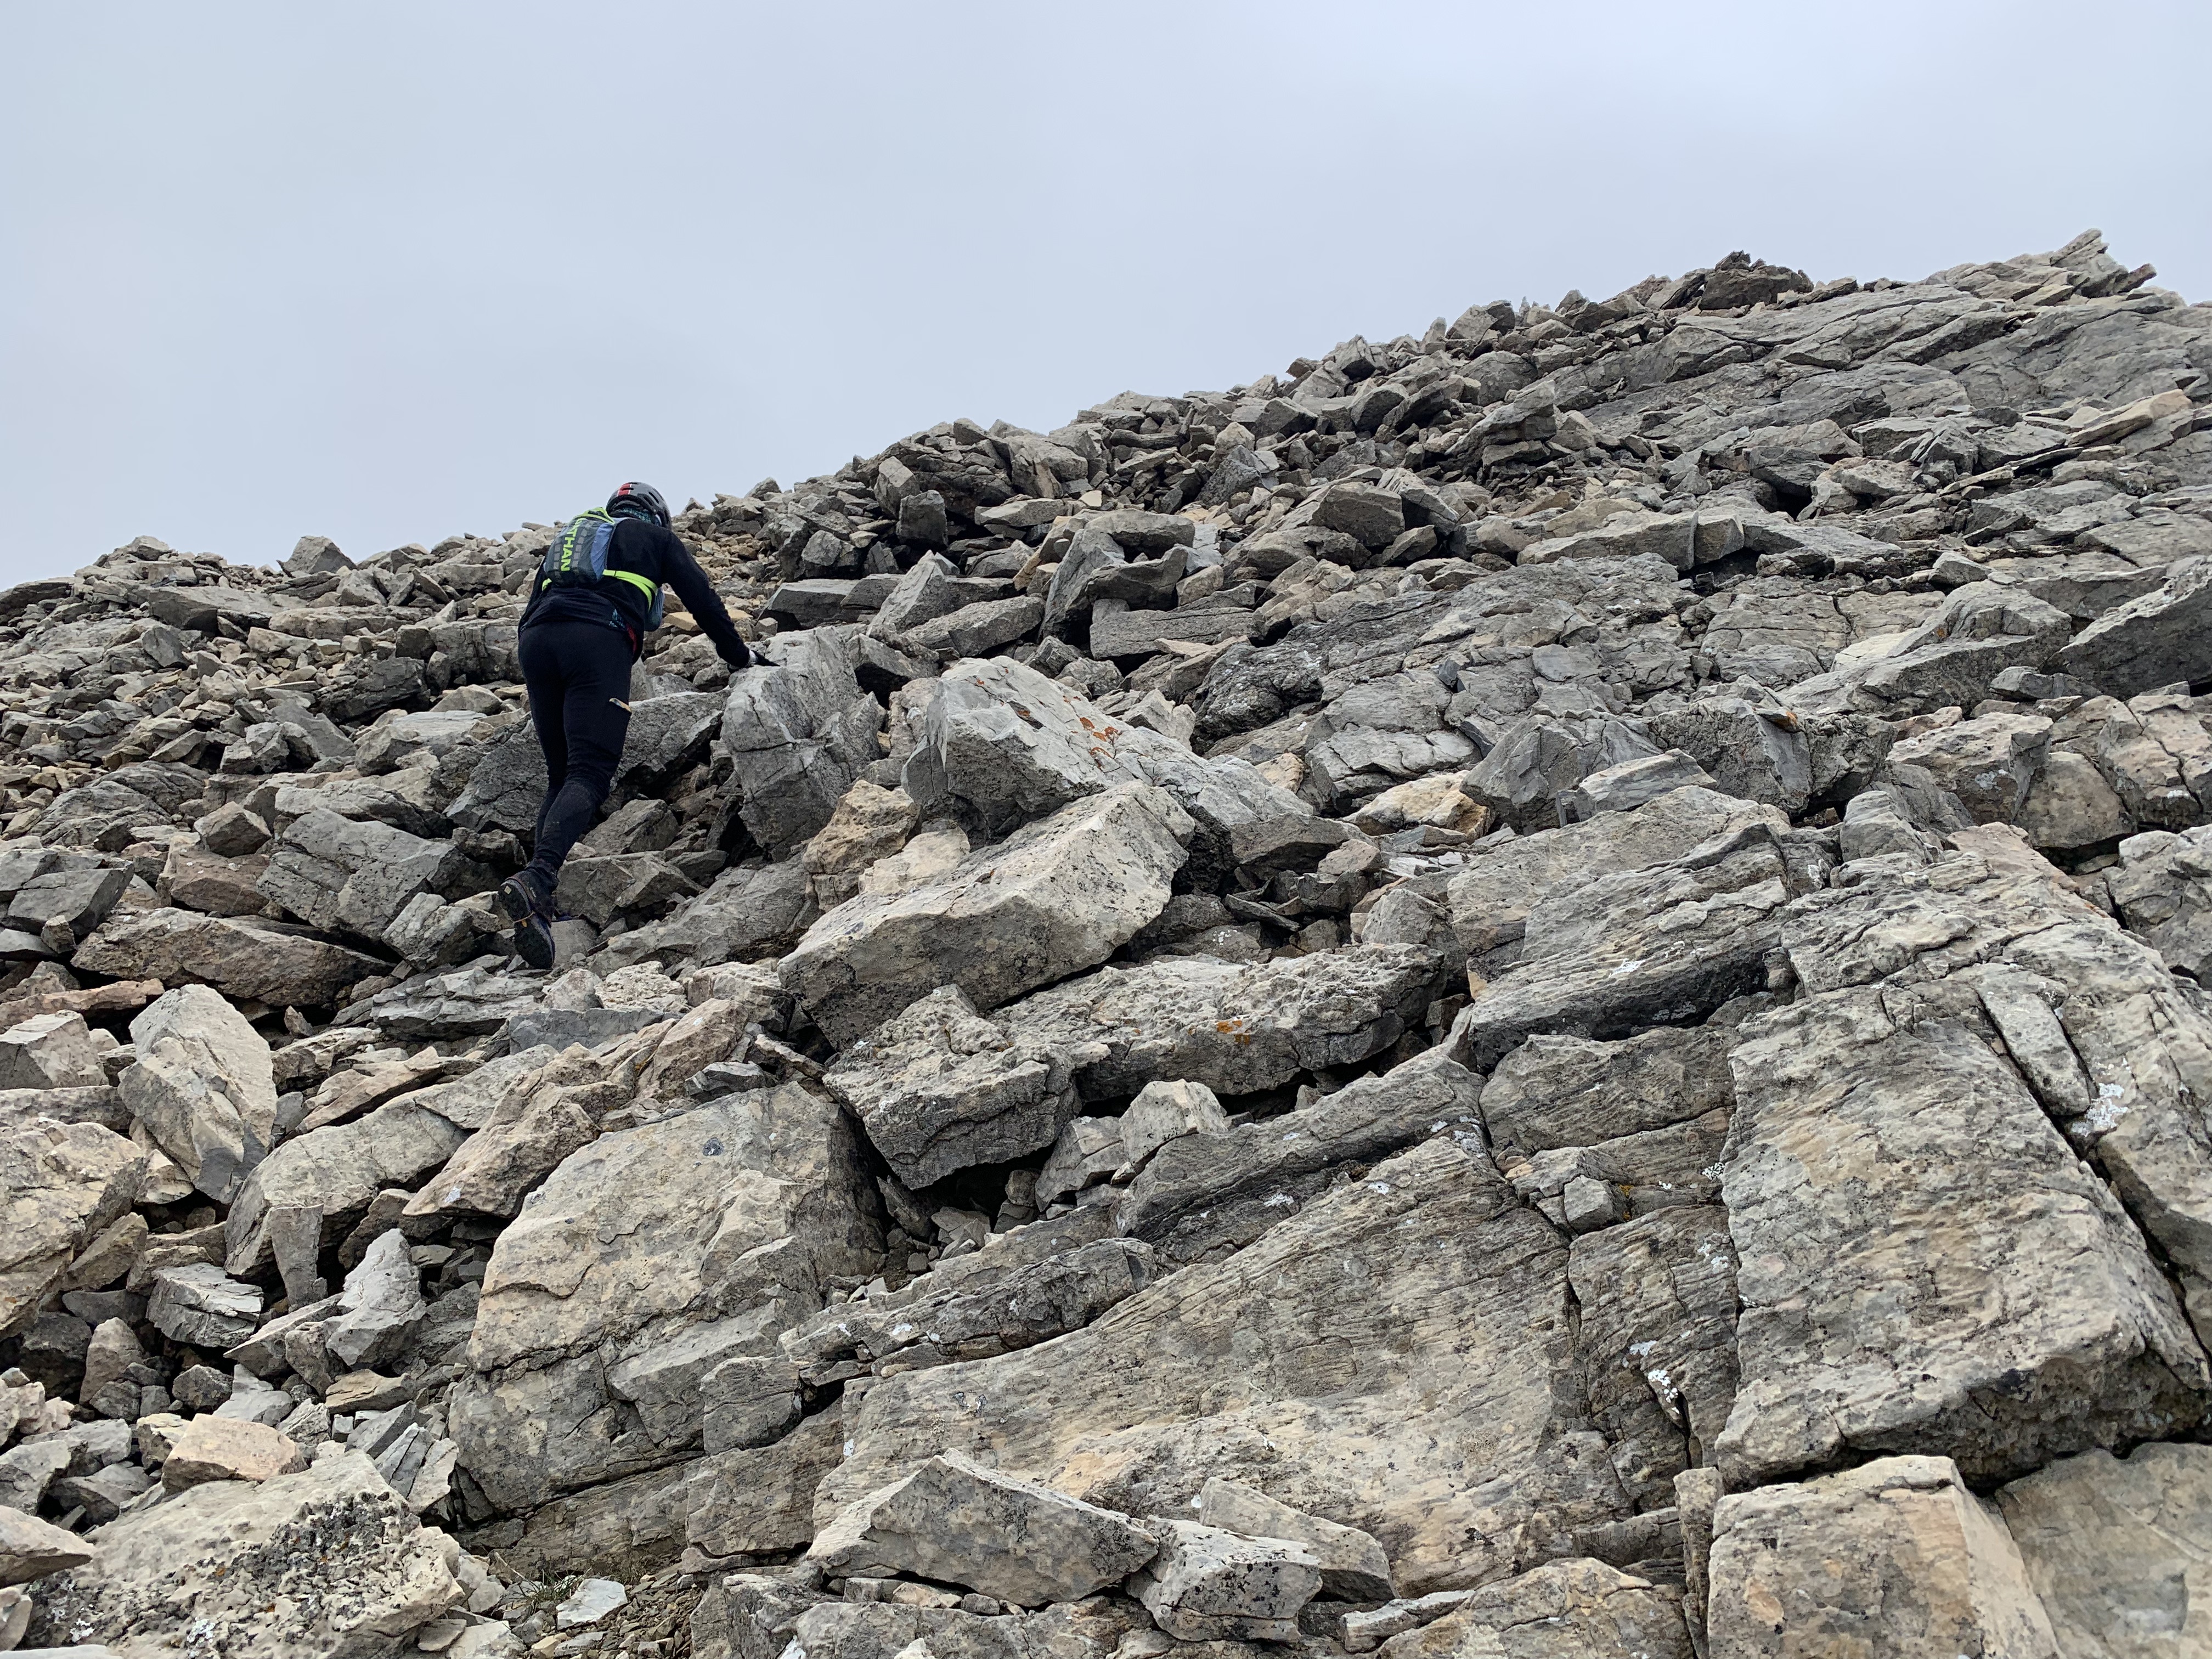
x=1529 y=992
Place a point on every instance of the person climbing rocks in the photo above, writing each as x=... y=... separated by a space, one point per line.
x=597 y=594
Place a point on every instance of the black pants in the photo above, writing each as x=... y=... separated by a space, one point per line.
x=578 y=676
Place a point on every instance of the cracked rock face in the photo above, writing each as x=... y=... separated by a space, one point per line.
x=1538 y=990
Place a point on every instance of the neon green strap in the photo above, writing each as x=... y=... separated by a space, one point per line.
x=650 y=589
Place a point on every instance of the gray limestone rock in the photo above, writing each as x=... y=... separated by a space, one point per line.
x=1018 y=1291
x=940 y=1088
x=798 y=730
x=199 y=1304
x=379 y=1309
x=1001 y=743
x=1756 y=752
x=1989 y=762
x=649 y=1257
x=1577 y=1609
x=356 y=876
x=1053 y=899
x=1201 y=1192
x=2163 y=891
x=1164 y=1111
x=332 y=1174
x=956 y=1522
x=31 y=1550
x=1353 y=1564
x=1491 y=897
x=373 y=1576
x=1924 y=1265
x=1664 y=945
x=204 y=1087
x=2156 y=639
x=64 y=1185
x=50 y=1051
x=1209 y=1585
x=247 y=959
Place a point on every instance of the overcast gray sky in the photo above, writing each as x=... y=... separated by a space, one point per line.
x=387 y=273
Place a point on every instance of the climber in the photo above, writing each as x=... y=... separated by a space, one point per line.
x=597 y=594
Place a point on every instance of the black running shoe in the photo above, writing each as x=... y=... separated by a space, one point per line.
x=533 y=930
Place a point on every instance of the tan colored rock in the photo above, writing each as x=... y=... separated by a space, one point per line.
x=50 y=1051
x=1208 y=1585
x=1573 y=1609
x=374 y=1577
x=2120 y=1550
x=1895 y=1558
x=870 y=823
x=1353 y=1564
x=30 y=1549
x=62 y=1185
x=651 y=1255
x=1054 y=898
x=214 y=1447
x=203 y=1087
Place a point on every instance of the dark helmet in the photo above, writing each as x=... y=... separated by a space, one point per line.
x=639 y=500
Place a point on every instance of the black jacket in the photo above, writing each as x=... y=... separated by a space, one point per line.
x=657 y=554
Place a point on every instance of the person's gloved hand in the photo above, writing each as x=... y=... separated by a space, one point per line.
x=740 y=658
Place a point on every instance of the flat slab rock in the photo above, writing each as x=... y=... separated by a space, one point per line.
x=1432 y=1419
x=1924 y=1262
x=1234 y=1027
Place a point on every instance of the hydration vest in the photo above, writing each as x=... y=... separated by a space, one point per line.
x=578 y=558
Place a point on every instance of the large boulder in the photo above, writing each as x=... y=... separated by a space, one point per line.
x=2117 y=1549
x=1664 y=945
x=2095 y=1030
x=954 y=1521
x=1491 y=897
x=325 y=1564
x=2155 y=639
x=798 y=730
x=203 y=1087
x=1054 y=898
x=62 y=1184
x=1895 y=1557
x=1926 y=1266
x=355 y=876
x=940 y=1088
x=1234 y=1027
x=1201 y=1192
x=321 y=1183
x=1950 y=659
x=649 y=1256
x=999 y=743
